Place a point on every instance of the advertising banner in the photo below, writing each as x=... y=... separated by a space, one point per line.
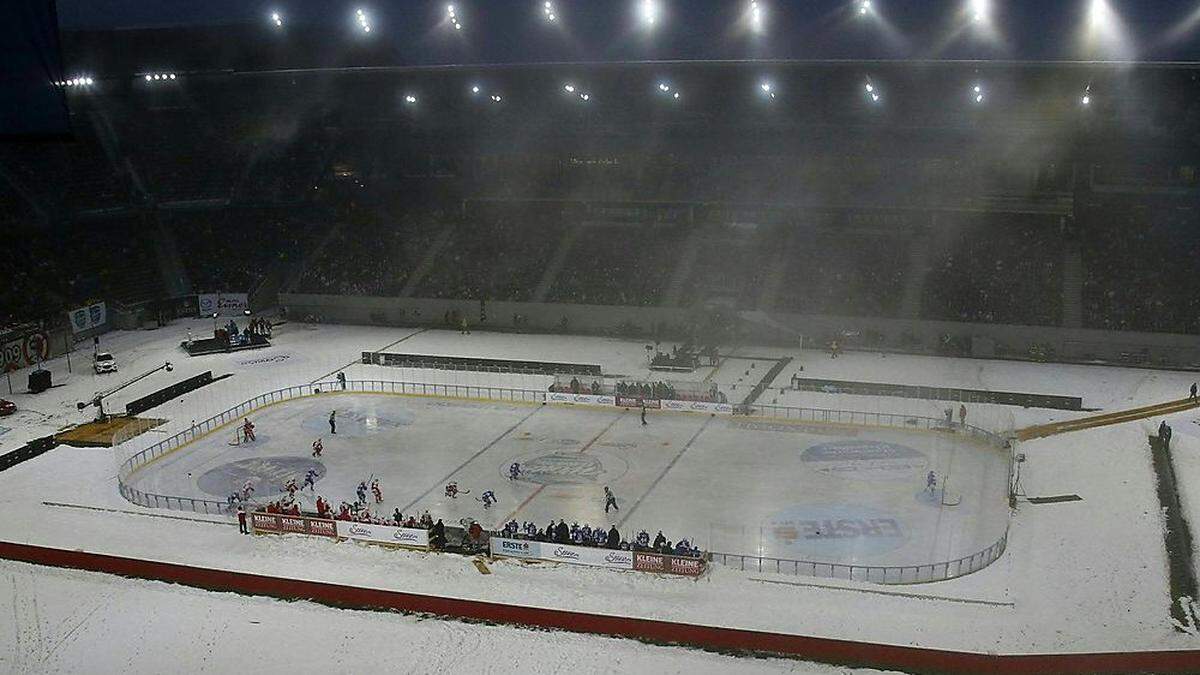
x=383 y=534
x=282 y=524
x=550 y=552
x=225 y=304
x=635 y=402
x=25 y=351
x=586 y=399
x=87 y=318
x=668 y=564
x=698 y=406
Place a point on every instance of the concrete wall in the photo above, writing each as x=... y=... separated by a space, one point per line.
x=897 y=335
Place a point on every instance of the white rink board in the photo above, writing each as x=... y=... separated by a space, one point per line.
x=828 y=493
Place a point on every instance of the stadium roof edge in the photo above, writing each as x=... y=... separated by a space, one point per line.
x=831 y=63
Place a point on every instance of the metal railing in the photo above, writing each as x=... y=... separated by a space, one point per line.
x=880 y=574
x=896 y=420
x=140 y=459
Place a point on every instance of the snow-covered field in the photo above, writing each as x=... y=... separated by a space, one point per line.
x=1077 y=576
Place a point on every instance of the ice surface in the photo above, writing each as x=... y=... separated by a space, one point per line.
x=817 y=492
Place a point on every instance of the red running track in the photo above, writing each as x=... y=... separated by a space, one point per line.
x=823 y=650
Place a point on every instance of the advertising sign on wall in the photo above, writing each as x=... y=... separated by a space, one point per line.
x=383 y=534
x=87 y=318
x=282 y=524
x=225 y=304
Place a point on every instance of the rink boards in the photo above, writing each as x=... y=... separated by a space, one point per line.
x=764 y=487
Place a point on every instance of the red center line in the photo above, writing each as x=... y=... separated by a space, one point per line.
x=541 y=487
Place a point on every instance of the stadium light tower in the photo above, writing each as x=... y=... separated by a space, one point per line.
x=452 y=16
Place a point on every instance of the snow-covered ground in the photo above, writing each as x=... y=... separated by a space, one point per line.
x=64 y=621
x=1077 y=576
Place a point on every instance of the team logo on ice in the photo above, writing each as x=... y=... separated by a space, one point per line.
x=835 y=533
x=558 y=468
x=269 y=474
x=865 y=459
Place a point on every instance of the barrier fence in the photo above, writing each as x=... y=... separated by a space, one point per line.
x=897 y=574
x=879 y=574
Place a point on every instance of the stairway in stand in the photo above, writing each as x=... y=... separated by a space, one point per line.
x=1072 y=288
x=919 y=251
x=428 y=260
x=565 y=244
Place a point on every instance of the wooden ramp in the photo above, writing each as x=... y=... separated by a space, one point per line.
x=100 y=434
x=1055 y=428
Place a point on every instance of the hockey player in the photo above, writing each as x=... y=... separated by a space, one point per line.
x=248 y=431
x=291 y=487
x=234 y=498
x=375 y=490
x=610 y=500
x=488 y=498
x=931 y=482
x=514 y=471
x=247 y=489
x=452 y=490
x=333 y=422
x=310 y=480
x=361 y=491
x=317 y=448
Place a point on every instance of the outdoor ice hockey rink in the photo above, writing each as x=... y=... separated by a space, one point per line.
x=771 y=488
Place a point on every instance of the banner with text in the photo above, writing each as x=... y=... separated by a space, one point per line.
x=25 y=351
x=698 y=406
x=585 y=399
x=383 y=534
x=280 y=524
x=668 y=564
x=86 y=318
x=225 y=304
x=575 y=555
x=635 y=402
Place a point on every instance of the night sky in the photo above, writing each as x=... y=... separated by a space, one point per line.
x=515 y=31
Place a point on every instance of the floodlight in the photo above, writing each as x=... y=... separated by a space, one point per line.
x=664 y=87
x=586 y=97
x=496 y=98
x=172 y=76
x=89 y=80
x=147 y=78
x=870 y=87
x=569 y=88
x=649 y=12
x=676 y=96
x=864 y=7
x=277 y=19
x=1086 y=100
x=979 y=98
x=410 y=99
x=475 y=89
x=979 y=10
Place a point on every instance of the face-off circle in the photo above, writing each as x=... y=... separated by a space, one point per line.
x=569 y=468
x=267 y=473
